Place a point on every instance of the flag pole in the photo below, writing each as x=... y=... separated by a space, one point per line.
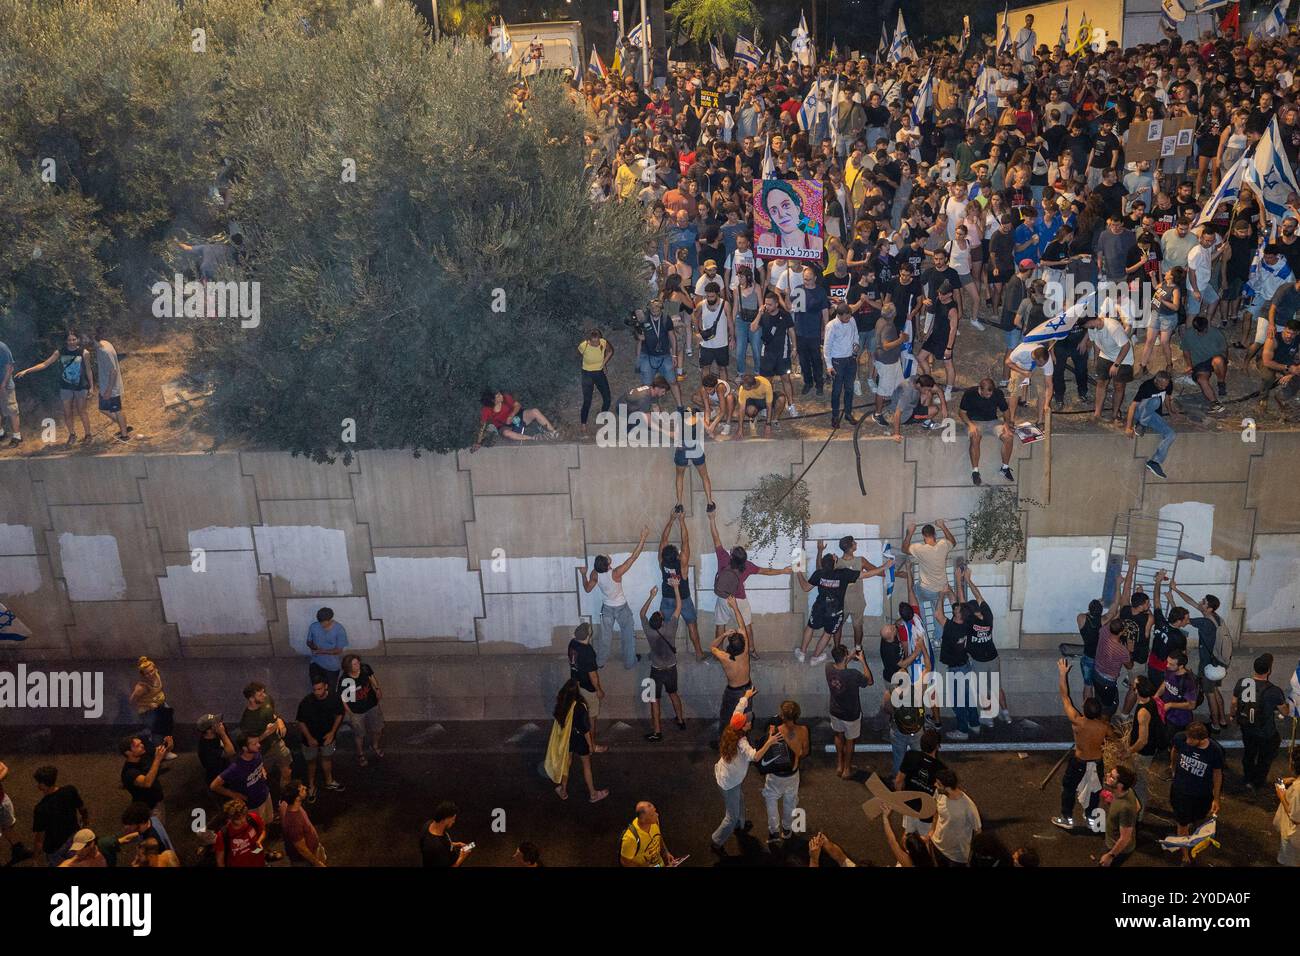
x=645 y=49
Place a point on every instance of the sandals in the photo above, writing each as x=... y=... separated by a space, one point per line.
x=562 y=793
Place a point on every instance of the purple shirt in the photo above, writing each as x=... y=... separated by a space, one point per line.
x=248 y=779
x=724 y=561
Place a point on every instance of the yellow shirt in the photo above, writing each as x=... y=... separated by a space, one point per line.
x=626 y=182
x=642 y=848
x=593 y=356
x=762 y=389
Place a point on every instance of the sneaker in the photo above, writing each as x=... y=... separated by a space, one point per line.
x=857 y=388
x=958 y=735
x=122 y=439
x=773 y=838
x=929 y=425
x=976 y=324
x=986 y=722
x=15 y=442
x=1065 y=823
x=1155 y=469
x=794 y=412
x=1223 y=390
x=1187 y=380
x=655 y=737
x=171 y=755
x=786 y=834
x=711 y=507
x=819 y=659
x=1004 y=715
x=725 y=429
x=821 y=391
x=689 y=350
x=335 y=786
x=975 y=478
x=1217 y=409
x=800 y=656
x=1007 y=473
x=975 y=730
x=1139 y=430
x=880 y=420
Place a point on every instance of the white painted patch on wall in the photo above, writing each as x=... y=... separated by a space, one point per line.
x=422 y=598
x=222 y=539
x=222 y=599
x=352 y=612
x=1272 y=583
x=527 y=619
x=767 y=594
x=19 y=574
x=1060 y=582
x=313 y=560
x=869 y=546
x=1197 y=518
x=16 y=539
x=529 y=575
x=92 y=567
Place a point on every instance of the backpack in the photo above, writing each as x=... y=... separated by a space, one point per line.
x=726 y=582
x=1252 y=717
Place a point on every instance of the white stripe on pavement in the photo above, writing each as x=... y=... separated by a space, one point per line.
x=1026 y=747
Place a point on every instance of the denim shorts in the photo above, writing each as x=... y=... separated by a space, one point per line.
x=1165 y=321
x=686 y=612
x=1012 y=337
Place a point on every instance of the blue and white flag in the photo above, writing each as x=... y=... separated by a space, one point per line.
x=1273 y=25
x=1295 y=689
x=633 y=38
x=597 y=65
x=720 y=62
x=1004 y=33
x=801 y=44
x=887 y=554
x=882 y=48
x=924 y=97
x=1269 y=173
x=1264 y=279
x=1064 y=41
x=811 y=107
x=1228 y=190
x=833 y=110
x=1172 y=13
x=768 y=169
x=502 y=45
x=748 y=53
x=1059 y=326
x=979 y=98
x=900 y=47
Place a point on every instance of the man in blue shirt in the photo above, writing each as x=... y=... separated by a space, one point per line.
x=328 y=639
x=810 y=308
x=1026 y=237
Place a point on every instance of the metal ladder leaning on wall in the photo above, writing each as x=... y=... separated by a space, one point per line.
x=1157 y=543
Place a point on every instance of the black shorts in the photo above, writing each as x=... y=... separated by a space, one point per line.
x=1189 y=809
x=1207 y=367
x=998 y=277
x=825 y=619
x=1123 y=373
x=111 y=404
x=719 y=357
x=665 y=681
x=772 y=367
x=757 y=404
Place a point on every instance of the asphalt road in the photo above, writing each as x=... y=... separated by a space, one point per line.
x=491 y=771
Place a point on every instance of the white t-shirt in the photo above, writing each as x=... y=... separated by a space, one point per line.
x=1023 y=355
x=738 y=259
x=1200 y=261
x=715 y=318
x=705 y=279
x=1110 y=339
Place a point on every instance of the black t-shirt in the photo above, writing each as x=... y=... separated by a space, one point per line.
x=151 y=795
x=1166 y=640
x=891 y=652
x=582 y=663
x=844 y=684
x=981 y=409
x=358 y=688
x=904 y=297
x=832 y=585
x=933 y=278
x=1104 y=148
x=980 y=635
x=319 y=715
x=1090 y=631
x=1194 y=772
x=779 y=759
x=919 y=770
x=212 y=757
x=952 y=645
x=1150 y=389
x=55 y=816
x=436 y=849
x=1002 y=251
x=774 y=330
x=673 y=572
x=1256 y=716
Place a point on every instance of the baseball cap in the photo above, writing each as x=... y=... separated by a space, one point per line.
x=582 y=631
x=208 y=722
x=83 y=839
x=1027 y=264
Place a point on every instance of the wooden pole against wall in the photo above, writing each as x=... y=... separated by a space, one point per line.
x=1047 y=453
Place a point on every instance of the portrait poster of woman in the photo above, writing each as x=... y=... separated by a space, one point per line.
x=788 y=219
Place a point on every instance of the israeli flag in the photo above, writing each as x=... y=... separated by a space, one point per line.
x=502 y=45
x=720 y=62
x=1269 y=172
x=1294 y=692
x=1172 y=13
x=924 y=97
x=833 y=112
x=1228 y=190
x=882 y=48
x=888 y=555
x=1004 y=33
x=748 y=53
x=633 y=38
x=1273 y=25
x=801 y=44
x=901 y=45
x=1064 y=41
x=768 y=169
x=597 y=65
x=979 y=98
x=1058 y=327
x=811 y=107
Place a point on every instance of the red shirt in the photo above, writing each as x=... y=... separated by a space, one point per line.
x=238 y=844
x=502 y=418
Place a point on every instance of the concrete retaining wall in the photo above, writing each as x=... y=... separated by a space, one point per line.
x=457 y=574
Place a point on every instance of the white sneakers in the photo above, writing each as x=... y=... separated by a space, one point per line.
x=857 y=388
x=726 y=428
x=799 y=655
x=794 y=412
x=976 y=324
x=819 y=659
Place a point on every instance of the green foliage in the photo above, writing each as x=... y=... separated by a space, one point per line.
x=995 y=529
x=705 y=20
x=377 y=295
x=776 y=509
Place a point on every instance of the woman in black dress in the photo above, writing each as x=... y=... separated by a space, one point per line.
x=580 y=746
x=939 y=343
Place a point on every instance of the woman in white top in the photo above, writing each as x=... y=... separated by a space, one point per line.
x=960 y=262
x=614 y=609
x=1232 y=142
x=736 y=753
